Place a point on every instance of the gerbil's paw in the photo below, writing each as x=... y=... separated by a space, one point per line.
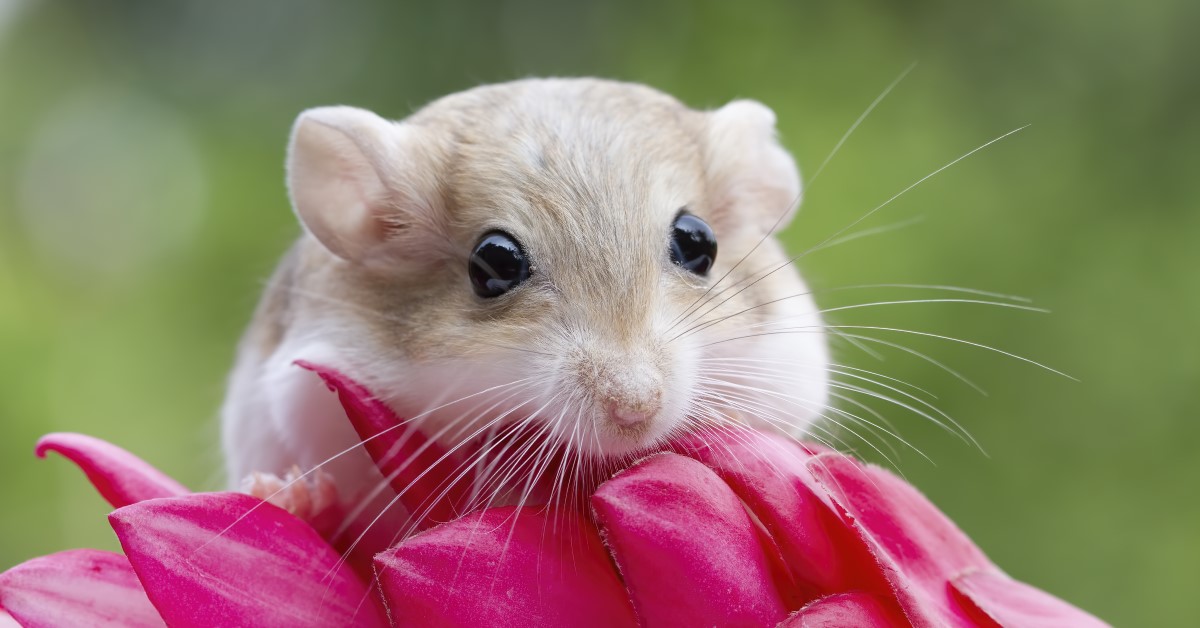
x=312 y=498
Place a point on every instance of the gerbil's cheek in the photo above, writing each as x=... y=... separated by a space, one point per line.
x=765 y=360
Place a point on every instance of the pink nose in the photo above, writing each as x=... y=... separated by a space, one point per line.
x=628 y=415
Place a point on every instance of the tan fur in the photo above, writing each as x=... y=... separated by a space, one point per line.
x=587 y=175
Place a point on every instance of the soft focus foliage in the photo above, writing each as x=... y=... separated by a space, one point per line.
x=141 y=204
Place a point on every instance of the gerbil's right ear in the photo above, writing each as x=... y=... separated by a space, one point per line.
x=754 y=180
x=365 y=187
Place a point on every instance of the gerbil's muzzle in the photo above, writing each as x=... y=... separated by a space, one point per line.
x=627 y=389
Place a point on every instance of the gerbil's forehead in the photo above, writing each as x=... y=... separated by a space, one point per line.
x=566 y=167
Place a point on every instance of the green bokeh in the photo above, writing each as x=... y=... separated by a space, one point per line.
x=122 y=324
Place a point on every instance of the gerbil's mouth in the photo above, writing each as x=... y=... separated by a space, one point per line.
x=616 y=441
x=634 y=432
x=592 y=433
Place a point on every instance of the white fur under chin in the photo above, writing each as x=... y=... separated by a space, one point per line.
x=798 y=393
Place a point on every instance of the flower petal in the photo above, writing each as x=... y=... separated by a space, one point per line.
x=505 y=567
x=842 y=525
x=228 y=559
x=121 y=477
x=689 y=553
x=1011 y=604
x=418 y=469
x=770 y=475
x=919 y=549
x=81 y=587
x=858 y=609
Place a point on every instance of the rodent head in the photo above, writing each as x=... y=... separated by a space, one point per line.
x=608 y=341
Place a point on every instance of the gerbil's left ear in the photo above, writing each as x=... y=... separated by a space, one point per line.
x=365 y=187
x=753 y=181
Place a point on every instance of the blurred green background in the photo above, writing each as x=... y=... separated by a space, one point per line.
x=142 y=205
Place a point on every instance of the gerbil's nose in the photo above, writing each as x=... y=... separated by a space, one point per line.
x=628 y=391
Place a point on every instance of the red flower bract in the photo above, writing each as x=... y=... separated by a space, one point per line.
x=735 y=528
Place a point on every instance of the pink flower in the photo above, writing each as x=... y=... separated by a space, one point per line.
x=732 y=528
x=191 y=559
x=735 y=529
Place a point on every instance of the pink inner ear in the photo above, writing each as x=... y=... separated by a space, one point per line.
x=119 y=476
x=333 y=179
x=430 y=483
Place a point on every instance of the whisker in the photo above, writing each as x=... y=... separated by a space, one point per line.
x=819 y=329
x=874 y=231
x=856 y=343
x=302 y=476
x=861 y=420
x=710 y=323
x=386 y=483
x=913 y=185
x=920 y=286
x=845 y=136
x=961 y=433
x=837 y=147
x=961 y=341
x=803 y=403
x=747 y=405
x=826 y=242
x=832 y=367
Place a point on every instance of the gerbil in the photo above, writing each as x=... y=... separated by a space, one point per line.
x=588 y=256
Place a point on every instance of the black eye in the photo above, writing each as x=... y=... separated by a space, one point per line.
x=497 y=265
x=693 y=244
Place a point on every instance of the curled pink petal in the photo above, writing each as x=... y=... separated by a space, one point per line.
x=505 y=567
x=770 y=474
x=75 y=588
x=689 y=553
x=858 y=609
x=417 y=468
x=119 y=476
x=1014 y=604
x=919 y=549
x=228 y=559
